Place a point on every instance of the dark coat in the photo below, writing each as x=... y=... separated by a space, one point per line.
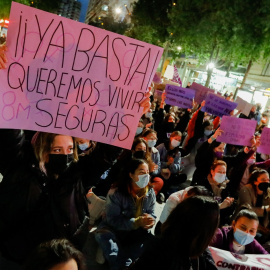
x=35 y=208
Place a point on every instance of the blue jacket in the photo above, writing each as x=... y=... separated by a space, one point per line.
x=120 y=209
x=175 y=167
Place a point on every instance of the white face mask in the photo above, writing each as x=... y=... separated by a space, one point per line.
x=139 y=130
x=148 y=115
x=175 y=143
x=83 y=146
x=151 y=143
x=250 y=161
x=220 y=177
x=143 y=180
x=207 y=132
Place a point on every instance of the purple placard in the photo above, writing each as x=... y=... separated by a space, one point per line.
x=218 y=105
x=264 y=148
x=201 y=92
x=179 y=96
x=237 y=131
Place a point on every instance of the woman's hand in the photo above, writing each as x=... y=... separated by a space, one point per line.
x=217 y=133
x=3 y=57
x=146 y=102
x=226 y=203
x=153 y=167
x=147 y=221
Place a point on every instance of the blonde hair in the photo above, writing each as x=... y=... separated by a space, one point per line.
x=42 y=148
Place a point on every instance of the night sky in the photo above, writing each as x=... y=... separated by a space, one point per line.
x=84 y=9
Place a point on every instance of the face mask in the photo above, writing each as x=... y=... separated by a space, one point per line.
x=151 y=143
x=143 y=180
x=264 y=156
x=207 y=132
x=220 y=177
x=175 y=143
x=139 y=154
x=263 y=186
x=250 y=161
x=219 y=154
x=83 y=146
x=139 y=130
x=59 y=163
x=148 y=115
x=243 y=238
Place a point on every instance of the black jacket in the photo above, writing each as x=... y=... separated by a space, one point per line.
x=35 y=208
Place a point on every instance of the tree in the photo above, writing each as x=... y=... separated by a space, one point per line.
x=229 y=30
x=111 y=24
x=48 y=5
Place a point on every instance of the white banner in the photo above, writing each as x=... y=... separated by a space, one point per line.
x=227 y=260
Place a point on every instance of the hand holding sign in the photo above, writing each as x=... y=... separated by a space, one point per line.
x=3 y=57
x=237 y=131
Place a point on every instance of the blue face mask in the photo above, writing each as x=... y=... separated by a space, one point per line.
x=151 y=143
x=139 y=130
x=83 y=146
x=143 y=180
x=207 y=132
x=243 y=238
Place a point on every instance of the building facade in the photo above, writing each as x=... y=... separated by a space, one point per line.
x=70 y=9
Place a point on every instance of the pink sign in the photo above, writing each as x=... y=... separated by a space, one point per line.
x=70 y=78
x=237 y=131
x=201 y=92
x=264 y=148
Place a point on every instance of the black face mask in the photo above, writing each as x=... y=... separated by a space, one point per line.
x=139 y=154
x=263 y=186
x=59 y=163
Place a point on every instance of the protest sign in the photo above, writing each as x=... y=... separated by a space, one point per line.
x=169 y=72
x=228 y=260
x=218 y=105
x=70 y=78
x=237 y=131
x=264 y=147
x=179 y=96
x=243 y=106
x=201 y=92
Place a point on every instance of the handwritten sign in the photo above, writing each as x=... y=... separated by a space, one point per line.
x=218 y=105
x=243 y=106
x=237 y=131
x=227 y=260
x=169 y=72
x=70 y=78
x=179 y=96
x=264 y=147
x=201 y=92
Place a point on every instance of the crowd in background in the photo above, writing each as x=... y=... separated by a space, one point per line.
x=55 y=188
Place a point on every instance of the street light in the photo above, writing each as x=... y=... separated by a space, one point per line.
x=179 y=48
x=118 y=10
x=211 y=65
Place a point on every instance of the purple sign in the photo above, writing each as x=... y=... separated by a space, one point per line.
x=237 y=131
x=218 y=105
x=201 y=92
x=179 y=96
x=264 y=148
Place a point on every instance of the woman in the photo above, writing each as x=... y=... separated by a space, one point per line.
x=211 y=150
x=239 y=238
x=150 y=136
x=256 y=194
x=85 y=146
x=216 y=182
x=129 y=214
x=184 y=239
x=49 y=184
x=57 y=254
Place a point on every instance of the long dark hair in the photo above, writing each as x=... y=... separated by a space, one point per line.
x=184 y=230
x=124 y=184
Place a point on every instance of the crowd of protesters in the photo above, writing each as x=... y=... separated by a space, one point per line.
x=56 y=187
